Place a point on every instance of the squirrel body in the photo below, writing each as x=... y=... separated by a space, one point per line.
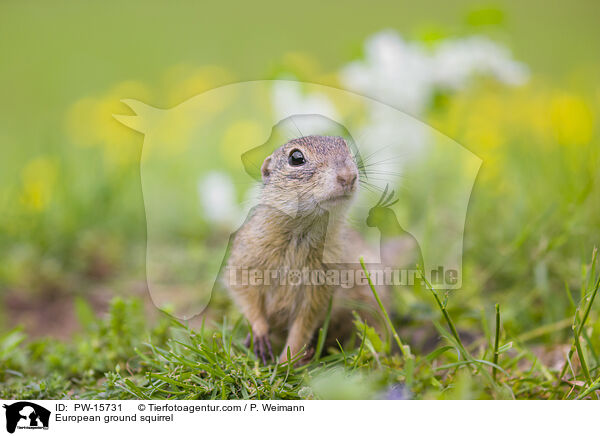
x=308 y=185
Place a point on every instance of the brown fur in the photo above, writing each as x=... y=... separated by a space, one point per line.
x=301 y=208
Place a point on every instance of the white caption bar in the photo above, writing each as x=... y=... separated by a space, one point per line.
x=294 y=417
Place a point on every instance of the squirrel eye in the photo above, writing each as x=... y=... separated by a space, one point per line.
x=296 y=158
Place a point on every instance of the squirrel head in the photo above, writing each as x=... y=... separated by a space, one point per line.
x=310 y=174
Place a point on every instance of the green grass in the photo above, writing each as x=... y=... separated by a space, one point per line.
x=532 y=221
x=120 y=356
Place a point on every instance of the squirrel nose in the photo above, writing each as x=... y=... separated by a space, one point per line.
x=346 y=178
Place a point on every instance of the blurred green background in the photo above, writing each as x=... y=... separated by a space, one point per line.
x=72 y=219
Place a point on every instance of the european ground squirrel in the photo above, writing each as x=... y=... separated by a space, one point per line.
x=299 y=224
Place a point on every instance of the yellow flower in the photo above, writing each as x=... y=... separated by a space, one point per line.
x=302 y=65
x=38 y=178
x=184 y=82
x=572 y=120
x=90 y=122
x=240 y=137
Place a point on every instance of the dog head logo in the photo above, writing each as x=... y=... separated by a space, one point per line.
x=201 y=174
x=26 y=415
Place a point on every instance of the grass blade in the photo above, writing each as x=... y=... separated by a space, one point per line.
x=496 y=342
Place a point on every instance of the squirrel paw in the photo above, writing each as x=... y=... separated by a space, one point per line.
x=262 y=346
x=306 y=357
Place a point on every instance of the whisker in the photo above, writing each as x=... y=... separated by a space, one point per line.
x=370 y=187
x=383 y=172
x=372 y=164
x=374 y=189
x=371 y=155
x=384 y=177
x=297 y=128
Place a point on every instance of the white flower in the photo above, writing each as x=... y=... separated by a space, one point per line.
x=394 y=72
x=217 y=198
x=456 y=60
x=289 y=100
x=406 y=74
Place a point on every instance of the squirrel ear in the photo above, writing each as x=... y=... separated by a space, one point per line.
x=264 y=169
